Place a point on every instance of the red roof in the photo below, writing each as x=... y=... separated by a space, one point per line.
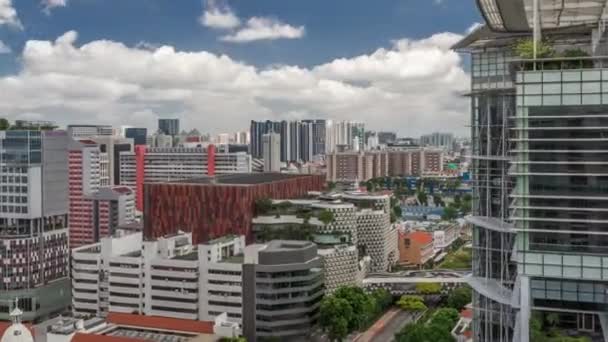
x=163 y=323
x=423 y=238
x=80 y=337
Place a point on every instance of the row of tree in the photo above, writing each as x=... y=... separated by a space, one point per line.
x=438 y=329
x=351 y=309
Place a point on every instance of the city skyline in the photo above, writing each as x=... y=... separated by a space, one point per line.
x=85 y=75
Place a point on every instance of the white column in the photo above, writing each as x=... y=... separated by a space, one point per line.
x=525 y=310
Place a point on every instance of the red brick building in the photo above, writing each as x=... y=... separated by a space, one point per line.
x=215 y=206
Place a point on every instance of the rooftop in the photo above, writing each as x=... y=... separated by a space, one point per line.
x=423 y=238
x=235 y=259
x=223 y=239
x=188 y=256
x=286 y=245
x=242 y=179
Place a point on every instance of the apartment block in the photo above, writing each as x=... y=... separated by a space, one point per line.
x=155 y=164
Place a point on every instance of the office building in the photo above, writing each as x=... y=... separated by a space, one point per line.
x=386 y=137
x=169 y=126
x=139 y=135
x=34 y=223
x=538 y=138
x=343 y=133
x=170 y=277
x=216 y=206
x=437 y=139
x=149 y=165
x=282 y=290
x=87 y=131
x=159 y=139
x=272 y=152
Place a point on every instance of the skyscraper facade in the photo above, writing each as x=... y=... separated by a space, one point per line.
x=34 y=222
x=300 y=140
x=272 y=152
x=139 y=135
x=538 y=140
x=437 y=139
x=342 y=134
x=169 y=126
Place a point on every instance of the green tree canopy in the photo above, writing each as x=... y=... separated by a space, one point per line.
x=445 y=318
x=4 y=124
x=459 y=297
x=326 y=217
x=411 y=303
x=422 y=198
x=334 y=316
x=363 y=305
x=428 y=288
x=263 y=206
x=449 y=213
x=524 y=48
x=383 y=298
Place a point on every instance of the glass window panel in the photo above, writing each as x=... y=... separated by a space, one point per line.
x=572 y=272
x=553 y=271
x=589 y=261
x=591 y=87
x=591 y=75
x=571 y=88
x=554 y=295
x=520 y=89
x=533 y=270
x=571 y=75
x=533 y=100
x=554 y=285
x=538 y=294
x=552 y=88
x=532 y=89
x=569 y=286
x=592 y=273
x=600 y=298
x=553 y=259
x=571 y=99
x=533 y=76
x=572 y=260
x=552 y=100
x=520 y=78
x=552 y=76
x=533 y=258
x=585 y=297
x=604 y=98
x=605 y=74
x=591 y=99
x=570 y=296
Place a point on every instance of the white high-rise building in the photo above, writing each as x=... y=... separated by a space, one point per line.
x=342 y=134
x=272 y=152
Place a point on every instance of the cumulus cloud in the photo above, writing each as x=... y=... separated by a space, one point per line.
x=8 y=15
x=50 y=4
x=219 y=17
x=264 y=29
x=413 y=86
x=4 y=49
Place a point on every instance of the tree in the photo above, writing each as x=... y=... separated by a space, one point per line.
x=363 y=305
x=397 y=211
x=422 y=198
x=383 y=298
x=438 y=201
x=428 y=288
x=370 y=186
x=524 y=48
x=449 y=213
x=459 y=297
x=326 y=217
x=419 y=332
x=446 y=318
x=411 y=303
x=263 y=206
x=331 y=186
x=334 y=316
x=4 y=124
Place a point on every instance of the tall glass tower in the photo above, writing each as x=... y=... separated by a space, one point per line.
x=540 y=164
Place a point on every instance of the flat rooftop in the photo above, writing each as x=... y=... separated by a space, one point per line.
x=242 y=179
x=235 y=259
x=189 y=256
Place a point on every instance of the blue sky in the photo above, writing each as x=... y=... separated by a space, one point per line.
x=325 y=31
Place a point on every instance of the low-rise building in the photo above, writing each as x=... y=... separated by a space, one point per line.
x=444 y=234
x=415 y=248
x=172 y=278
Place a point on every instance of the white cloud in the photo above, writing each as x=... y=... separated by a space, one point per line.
x=4 y=48
x=8 y=15
x=219 y=17
x=50 y=4
x=264 y=29
x=414 y=86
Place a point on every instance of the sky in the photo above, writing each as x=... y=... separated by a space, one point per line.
x=217 y=64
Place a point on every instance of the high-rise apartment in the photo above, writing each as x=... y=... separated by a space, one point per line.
x=342 y=134
x=169 y=126
x=34 y=222
x=437 y=139
x=149 y=164
x=272 y=152
x=139 y=135
x=539 y=146
x=300 y=140
x=85 y=131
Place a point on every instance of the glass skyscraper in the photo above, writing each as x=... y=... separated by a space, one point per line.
x=540 y=165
